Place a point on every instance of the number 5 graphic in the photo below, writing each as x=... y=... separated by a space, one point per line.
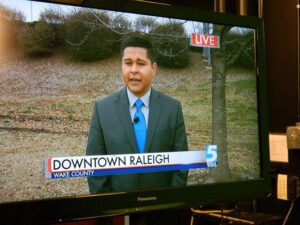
x=211 y=153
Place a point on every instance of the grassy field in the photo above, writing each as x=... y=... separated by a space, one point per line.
x=46 y=105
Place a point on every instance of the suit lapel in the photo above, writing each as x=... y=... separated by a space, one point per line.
x=122 y=105
x=155 y=106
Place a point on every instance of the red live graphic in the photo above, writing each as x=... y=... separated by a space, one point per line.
x=205 y=40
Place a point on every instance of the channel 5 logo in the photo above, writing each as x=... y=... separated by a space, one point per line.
x=211 y=155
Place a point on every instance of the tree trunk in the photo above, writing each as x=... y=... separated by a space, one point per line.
x=219 y=129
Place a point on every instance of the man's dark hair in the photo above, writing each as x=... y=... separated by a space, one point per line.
x=133 y=41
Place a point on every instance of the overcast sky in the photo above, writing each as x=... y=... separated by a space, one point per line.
x=30 y=9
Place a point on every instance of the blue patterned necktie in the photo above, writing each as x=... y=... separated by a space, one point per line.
x=140 y=129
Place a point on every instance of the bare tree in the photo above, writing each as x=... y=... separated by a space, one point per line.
x=222 y=58
x=11 y=14
x=145 y=24
x=53 y=15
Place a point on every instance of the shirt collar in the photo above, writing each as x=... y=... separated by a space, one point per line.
x=132 y=98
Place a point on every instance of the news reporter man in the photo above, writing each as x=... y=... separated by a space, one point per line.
x=113 y=131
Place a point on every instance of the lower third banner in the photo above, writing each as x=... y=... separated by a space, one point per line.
x=99 y=165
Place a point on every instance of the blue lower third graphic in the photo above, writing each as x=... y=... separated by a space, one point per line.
x=73 y=174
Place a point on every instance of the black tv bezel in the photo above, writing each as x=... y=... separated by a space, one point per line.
x=48 y=211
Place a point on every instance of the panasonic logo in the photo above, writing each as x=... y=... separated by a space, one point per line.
x=143 y=199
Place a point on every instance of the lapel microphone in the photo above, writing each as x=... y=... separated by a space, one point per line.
x=135 y=120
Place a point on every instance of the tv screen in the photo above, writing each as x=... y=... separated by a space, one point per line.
x=65 y=150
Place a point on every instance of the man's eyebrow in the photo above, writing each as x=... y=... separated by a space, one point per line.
x=130 y=59
x=126 y=60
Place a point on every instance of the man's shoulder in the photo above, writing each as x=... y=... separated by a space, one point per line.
x=110 y=98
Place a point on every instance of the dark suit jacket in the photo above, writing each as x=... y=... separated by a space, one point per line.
x=111 y=132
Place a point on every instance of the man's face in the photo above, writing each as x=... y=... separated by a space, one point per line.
x=137 y=70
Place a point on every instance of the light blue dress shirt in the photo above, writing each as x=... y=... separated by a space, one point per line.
x=145 y=108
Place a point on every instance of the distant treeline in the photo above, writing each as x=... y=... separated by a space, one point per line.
x=90 y=35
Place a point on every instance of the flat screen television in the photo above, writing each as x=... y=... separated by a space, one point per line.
x=53 y=69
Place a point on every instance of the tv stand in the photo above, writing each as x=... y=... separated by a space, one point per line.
x=237 y=218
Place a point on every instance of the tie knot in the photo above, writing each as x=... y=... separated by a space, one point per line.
x=139 y=103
